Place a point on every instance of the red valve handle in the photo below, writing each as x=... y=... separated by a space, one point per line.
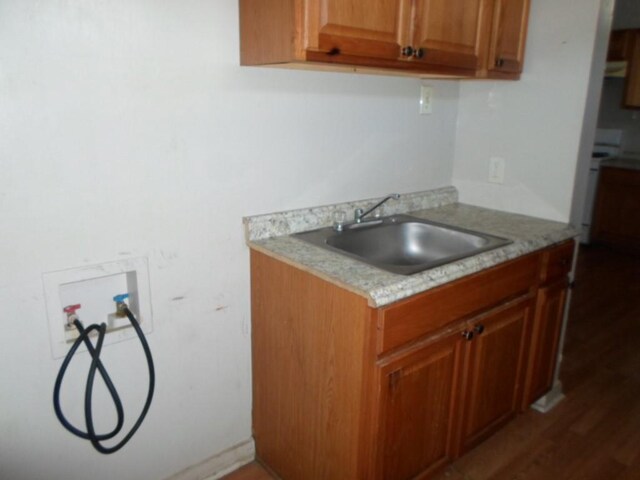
x=71 y=309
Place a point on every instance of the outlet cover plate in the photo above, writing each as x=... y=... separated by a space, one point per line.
x=496 y=170
x=426 y=100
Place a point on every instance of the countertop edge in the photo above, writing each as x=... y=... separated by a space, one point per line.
x=621 y=162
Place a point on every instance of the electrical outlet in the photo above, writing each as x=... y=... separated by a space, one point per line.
x=496 y=170
x=426 y=100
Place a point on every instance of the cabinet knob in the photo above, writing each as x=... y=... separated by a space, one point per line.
x=467 y=335
x=479 y=329
x=500 y=62
x=407 y=51
x=419 y=52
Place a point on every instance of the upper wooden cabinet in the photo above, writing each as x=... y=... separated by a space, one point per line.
x=449 y=32
x=624 y=46
x=362 y=29
x=414 y=37
x=508 y=39
x=620 y=44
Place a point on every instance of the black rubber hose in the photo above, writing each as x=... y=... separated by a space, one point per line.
x=96 y=364
x=84 y=337
x=95 y=441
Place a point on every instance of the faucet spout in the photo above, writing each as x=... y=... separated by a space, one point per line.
x=360 y=214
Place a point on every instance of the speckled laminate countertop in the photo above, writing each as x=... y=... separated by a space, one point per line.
x=380 y=287
x=627 y=163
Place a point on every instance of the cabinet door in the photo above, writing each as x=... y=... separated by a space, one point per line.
x=624 y=45
x=494 y=361
x=620 y=45
x=632 y=82
x=617 y=207
x=418 y=408
x=547 y=324
x=449 y=32
x=509 y=35
x=351 y=27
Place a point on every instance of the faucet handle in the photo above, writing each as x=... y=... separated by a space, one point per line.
x=339 y=219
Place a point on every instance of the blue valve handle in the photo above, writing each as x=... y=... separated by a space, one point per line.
x=121 y=298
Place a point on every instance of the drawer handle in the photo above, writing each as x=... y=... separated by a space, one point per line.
x=467 y=335
x=479 y=329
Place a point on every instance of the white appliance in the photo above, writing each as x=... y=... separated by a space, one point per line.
x=607 y=145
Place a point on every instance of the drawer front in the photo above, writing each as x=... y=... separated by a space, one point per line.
x=556 y=262
x=417 y=316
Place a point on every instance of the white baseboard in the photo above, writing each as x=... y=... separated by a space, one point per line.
x=220 y=464
x=550 y=400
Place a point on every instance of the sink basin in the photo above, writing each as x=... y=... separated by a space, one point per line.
x=403 y=244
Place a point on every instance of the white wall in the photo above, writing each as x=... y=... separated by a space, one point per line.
x=128 y=129
x=534 y=124
x=590 y=120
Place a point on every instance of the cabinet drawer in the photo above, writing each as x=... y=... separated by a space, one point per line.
x=557 y=262
x=410 y=319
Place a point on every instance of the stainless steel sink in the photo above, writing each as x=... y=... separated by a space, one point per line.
x=403 y=244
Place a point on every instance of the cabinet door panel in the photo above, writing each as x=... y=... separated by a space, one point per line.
x=510 y=19
x=418 y=409
x=617 y=208
x=546 y=335
x=620 y=45
x=370 y=29
x=449 y=31
x=632 y=82
x=495 y=360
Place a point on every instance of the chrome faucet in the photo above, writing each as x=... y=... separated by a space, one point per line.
x=359 y=214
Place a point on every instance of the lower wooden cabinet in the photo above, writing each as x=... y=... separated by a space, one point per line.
x=545 y=335
x=346 y=391
x=419 y=408
x=617 y=208
x=441 y=400
x=495 y=361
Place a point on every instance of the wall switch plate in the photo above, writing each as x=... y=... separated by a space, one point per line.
x=426 y=100
x=94 y=287
x=496 y=170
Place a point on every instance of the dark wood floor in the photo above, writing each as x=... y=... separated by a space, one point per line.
x=594 y=433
